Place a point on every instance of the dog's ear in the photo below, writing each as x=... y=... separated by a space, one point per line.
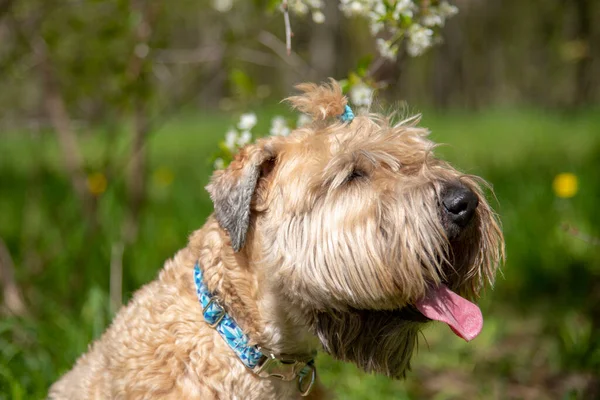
x=235 y=190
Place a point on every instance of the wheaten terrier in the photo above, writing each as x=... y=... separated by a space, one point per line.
x=348 y=235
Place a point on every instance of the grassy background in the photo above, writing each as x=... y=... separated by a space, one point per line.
x=542 y=325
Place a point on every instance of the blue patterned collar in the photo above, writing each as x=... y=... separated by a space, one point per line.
x=260 y=361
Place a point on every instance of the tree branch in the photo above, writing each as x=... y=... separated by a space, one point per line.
x=61 y=122
x=116 y=276
x=279 y=48
x=138 y=75
x=288 y=26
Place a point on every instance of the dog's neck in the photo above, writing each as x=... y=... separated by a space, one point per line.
x=284 y=327
x=244 y=288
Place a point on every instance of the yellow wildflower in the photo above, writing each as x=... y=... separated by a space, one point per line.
x=163 y=176
x=97 y=183
x=565 y=185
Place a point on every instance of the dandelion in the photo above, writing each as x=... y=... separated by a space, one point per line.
x=279 y=127
x=97 y=183
x=565 y=185
x=247 y=121
x=361 y=95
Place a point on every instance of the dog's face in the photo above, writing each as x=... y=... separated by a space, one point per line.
x=362 y=228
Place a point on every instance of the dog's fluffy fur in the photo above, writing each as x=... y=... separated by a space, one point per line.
x=322 y=239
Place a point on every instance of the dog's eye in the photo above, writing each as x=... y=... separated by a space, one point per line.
x=354 y=175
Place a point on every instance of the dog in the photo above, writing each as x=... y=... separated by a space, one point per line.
x=348 y=235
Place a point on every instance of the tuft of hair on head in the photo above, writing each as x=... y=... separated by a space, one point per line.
x=320 y=101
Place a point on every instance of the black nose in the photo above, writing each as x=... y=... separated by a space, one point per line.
x=459 y=203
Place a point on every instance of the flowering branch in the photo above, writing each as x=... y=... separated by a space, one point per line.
x=288 y=27
x=412 y=24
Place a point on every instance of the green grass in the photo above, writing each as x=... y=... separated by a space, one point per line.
x=542 y=327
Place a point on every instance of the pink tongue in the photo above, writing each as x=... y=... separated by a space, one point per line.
x=442 y=304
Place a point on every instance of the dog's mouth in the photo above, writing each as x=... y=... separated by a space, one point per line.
x=442 y=304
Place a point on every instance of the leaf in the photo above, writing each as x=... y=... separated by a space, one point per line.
x=363 y=65
x=242 y=83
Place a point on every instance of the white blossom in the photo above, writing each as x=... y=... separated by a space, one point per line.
x=219 y=163
x=387 y=49
x=247 y=121
x=315 y=3
x=447 y=10
x=303 y=119
x=376 y=27
x=279 y=127
x=357 y=7
x=231 y=138
x=432 y=19
x=222 y=5
x=303 y=7
x=403 y=8
x=318 y=17
x=298 y=7
x=354 y=7
x=419 y=40
x=244 y=139
x=379 y=9
x=361 y=95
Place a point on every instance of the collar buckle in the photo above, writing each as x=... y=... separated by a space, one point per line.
x=303 y=387
x=287 y=369
x=280 y=368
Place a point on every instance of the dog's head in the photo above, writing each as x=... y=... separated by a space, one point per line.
x=362 y=228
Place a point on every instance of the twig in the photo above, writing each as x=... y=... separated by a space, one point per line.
x=257 y=57
x=116 y=276
x=62 y=124
x=12 y=296
x=294 y=60
x=375 y=66
x=187 y=56
x=137 y=74
x=288 y=27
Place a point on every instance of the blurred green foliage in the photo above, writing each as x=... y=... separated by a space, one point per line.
x=542 y=333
